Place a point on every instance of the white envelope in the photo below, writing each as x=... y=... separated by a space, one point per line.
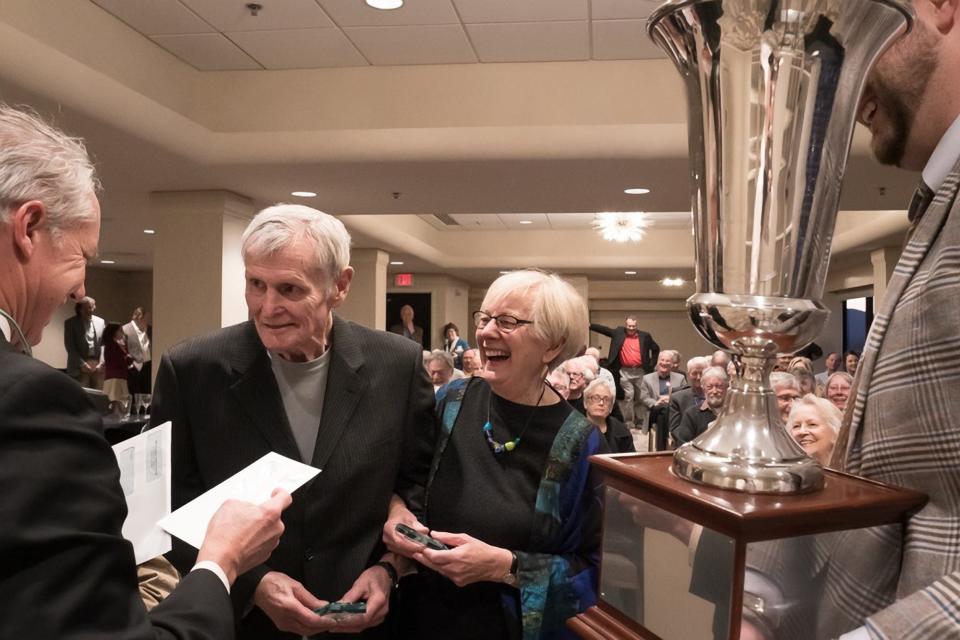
x=253 y=484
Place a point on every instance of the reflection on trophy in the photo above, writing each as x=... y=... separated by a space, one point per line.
x=772 y=90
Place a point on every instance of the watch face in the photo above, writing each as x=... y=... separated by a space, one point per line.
x=510 y=579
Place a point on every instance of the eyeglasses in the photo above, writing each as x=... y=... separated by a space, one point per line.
x=505 y=323
x=599 y=399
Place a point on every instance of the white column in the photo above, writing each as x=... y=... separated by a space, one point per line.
x=366 y=303
x=198 y=280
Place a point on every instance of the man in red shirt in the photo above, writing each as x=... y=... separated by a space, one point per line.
x=633 y=353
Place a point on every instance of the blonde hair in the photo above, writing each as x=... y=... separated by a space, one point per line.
x=828 y=411
x=558 y=312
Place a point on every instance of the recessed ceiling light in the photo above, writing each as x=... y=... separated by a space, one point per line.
x=636 y=191
x=629 y=273
x=673 y=282
x=149 y=232
x=526 y=222
x=108 y=262
x=397 y=262
x=303 y=194
x=385 y=4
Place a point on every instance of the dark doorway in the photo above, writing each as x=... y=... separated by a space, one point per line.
x=857 y=318
x=421 y=312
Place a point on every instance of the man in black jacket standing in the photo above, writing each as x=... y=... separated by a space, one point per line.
x=633 y=354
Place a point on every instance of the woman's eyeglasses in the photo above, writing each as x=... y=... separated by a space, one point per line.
x=505 y=323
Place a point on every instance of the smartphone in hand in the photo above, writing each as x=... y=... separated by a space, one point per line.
x=420 y=538
x=342 y=607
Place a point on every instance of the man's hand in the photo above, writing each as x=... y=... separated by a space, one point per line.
x=242 y=535
x=290 y=606
x=470 y=560
x=395 y=542
x=663 y=400
x=374 y=586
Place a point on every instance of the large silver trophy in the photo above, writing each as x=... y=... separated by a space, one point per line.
x=773 y=88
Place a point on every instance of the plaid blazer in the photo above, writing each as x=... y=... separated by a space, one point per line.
x=903 y=429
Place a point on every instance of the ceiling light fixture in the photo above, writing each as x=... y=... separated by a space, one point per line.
x=149 y=232
x=636 y=191
x=629 y=273
x=397 y=262
x=303 y=194
x=385 y=5
x=526 y=222
x=625 y=226
x=673 y=282
x=108 y=262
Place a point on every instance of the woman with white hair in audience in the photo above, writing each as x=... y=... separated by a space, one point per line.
x=838 y=388
x=598 y=399
x=510 y=491
x=560 y=381
x=814 y=423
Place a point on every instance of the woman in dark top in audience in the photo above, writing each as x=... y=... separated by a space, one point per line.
x=510 y=489
x=598 y=399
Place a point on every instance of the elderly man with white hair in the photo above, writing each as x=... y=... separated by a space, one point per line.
x=580 y=371
x=67 y=570
x=299 y=380
x=696 y=419
x=787 y=389
x=690 y=396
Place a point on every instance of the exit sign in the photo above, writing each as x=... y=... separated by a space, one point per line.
x=403 y=280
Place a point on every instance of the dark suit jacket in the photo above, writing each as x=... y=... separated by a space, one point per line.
x=693 y=423
x=65 y=570
x=75 y=341
x=376 y=437
x=649 y=350
x=680 y=401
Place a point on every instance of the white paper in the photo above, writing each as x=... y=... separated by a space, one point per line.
x=253 y=484
x=144 y=462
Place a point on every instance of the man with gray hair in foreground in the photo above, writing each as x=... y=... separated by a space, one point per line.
x=67 y=572
x=300 y=380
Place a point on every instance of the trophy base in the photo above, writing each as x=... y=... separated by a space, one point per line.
x=794 y=476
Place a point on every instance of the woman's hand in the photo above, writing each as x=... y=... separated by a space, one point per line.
x=399 y=514
x=470 y=560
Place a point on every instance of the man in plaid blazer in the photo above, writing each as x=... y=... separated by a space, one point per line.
x=895 y=582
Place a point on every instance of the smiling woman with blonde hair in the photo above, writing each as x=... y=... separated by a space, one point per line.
x=510 y=481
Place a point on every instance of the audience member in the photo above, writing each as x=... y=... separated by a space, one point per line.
x=851 y=359
x=560 y=381
x=407 y=328
x=440 y=368
x=832 y=363
x=632 y=355
x=115 y=363
x=838 y=389
x=599 y=397
x=471 y=362
x=806 y=380
x=697 y=419
x=814 y=422
x=299 y=380
x=783 y=362
x=655 y=392
x=523 y=532
x=720 y=359
x=138 y=335
x=83 y=340
x=676 y=362
x=581 y=374
x=67 y=571
x=787 y=389
x=690 y=396
x=598 y=370
x=454 y=344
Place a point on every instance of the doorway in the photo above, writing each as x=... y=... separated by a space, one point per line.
x=421 y=312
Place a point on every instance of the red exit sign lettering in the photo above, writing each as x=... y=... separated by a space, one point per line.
x=403 y=280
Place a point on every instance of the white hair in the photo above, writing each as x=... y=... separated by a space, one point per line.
x=39 y=162
x=698 y=361
x=284 y=225
x=828 y=411
x=601 y=382
x=586 y=368
x=558 y=312
x=784 y=379
x=843 y=375
x=714 y=372
x=441 y=355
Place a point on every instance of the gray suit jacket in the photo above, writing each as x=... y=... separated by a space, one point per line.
x=375 y=438
x=902 y=429
x=75 y=342
x=650 y=391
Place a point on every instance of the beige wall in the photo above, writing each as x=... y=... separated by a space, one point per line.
x=448 y=303
x=116 y=293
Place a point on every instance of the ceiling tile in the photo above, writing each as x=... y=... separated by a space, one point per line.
x=623 y=40
x=426 y=44
x=571 y=220
x=478 y=221
x=207 y=51
x=155 y=17
x=619 y=9
x=513 y=221
x=473 y=11
x=356 y=13
x=299 y=48
x=531 y=41
x=232 y=15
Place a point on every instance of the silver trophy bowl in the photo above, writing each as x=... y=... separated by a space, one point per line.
x=773 y=88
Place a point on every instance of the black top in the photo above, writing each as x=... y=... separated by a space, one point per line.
x=618 y=437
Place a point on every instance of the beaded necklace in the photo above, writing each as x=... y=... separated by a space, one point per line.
x=509 y=445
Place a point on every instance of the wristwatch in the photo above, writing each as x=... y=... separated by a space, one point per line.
x=391 y=572
x=511 y=578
